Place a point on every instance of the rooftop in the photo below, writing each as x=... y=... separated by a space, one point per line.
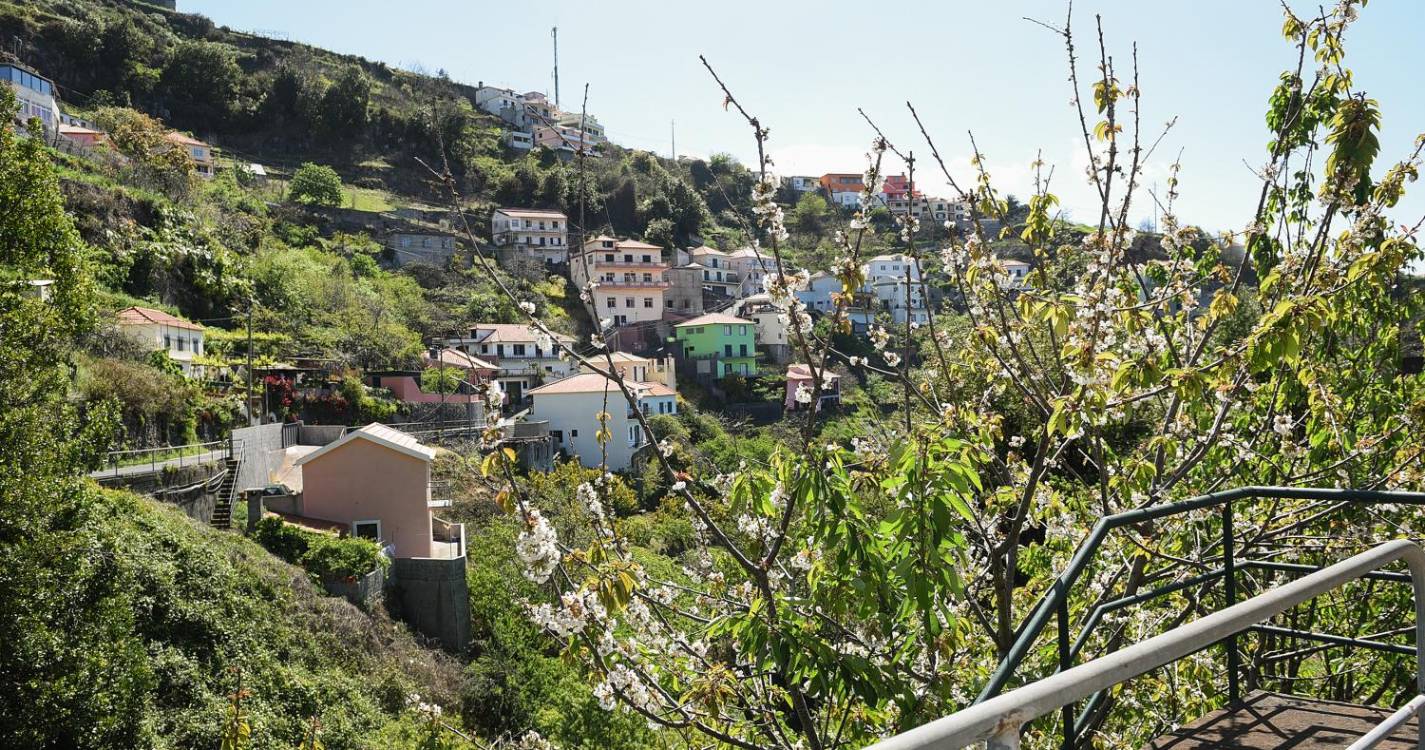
x=592 y=382
x=715 y=319
x=531 y=212
x=512 y=332
x=379 y=434
x=139 y=316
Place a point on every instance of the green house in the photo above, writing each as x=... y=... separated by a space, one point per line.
x=717 y=345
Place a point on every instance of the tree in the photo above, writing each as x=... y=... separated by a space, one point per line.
x=838 y=593
x=441 y=379
x=199 y=85
x=344 y=105
x=72 y=675
x=156 y=160
x=811 y=216
x=317 y=184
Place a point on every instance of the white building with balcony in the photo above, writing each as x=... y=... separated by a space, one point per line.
x=535 y=233
x=35 y=95
x=524 y=356
x=630 y=279
x=571 y=407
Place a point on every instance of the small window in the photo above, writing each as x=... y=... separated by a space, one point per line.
x=648 y=259
x=367 y=530
x=727 y=330
x=648 y=302
x=518 y=349
x=573 y=433
x=608 y=258
x=612 y=302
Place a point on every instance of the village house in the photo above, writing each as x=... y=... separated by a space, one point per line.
x=83 y=136
x=752 y=268
x=567 y=140
x=502 y=103
x=35 y=95
x=642 y=369
x=201 y=153
x=376 y=481
x=772 y=335
x=803 y=183
x=800 y=376
x=407 y=246
x=631 y=279
x=1017 y=271
x=900 y=199
x=571 y=407
x=535 y=233
x=942 y=210
x=817 y=292
x=522 y=353
x=844 y=188
x=684 y=297
x=593 y=131
x=716 y=345
x=720 y=279
x=180 y=339
x=465 y=403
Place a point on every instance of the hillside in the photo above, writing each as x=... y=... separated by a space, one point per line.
x=187 y=606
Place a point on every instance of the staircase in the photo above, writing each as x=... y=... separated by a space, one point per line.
x=227 y=494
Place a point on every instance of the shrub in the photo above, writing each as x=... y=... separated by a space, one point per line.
x=317 y=184
x=287 y=542
x=330 y=557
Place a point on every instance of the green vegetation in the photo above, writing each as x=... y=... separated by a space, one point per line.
x=317 y=184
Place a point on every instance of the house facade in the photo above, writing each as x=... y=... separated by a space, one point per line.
x=376 y=481
x=803 y=183
x=535 y=233
x=817 y=293
x=720 y=278
x=571 y=408
x=843 y=187
x=35 y=94
x=180 y=339
x=200 y=152
x=800 y=376
x=772 y=335
x=523 y=356
x=1017 y=274
x=752 y=268
x=642 y=369
x=716 y=345
x=631 y=280
x=684 y=297
x=592 y=130
x=412 y=246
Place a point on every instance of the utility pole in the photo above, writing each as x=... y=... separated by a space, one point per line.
x=250 y=421
x=555 y=33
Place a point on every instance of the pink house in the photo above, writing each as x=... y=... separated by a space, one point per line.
x=376 y=482
x=800 y=375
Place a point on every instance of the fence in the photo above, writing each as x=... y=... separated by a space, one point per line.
x=153 y=460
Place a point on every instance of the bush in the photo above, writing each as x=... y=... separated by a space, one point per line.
x=330 y=557
x=316 y=184
x=278 y=537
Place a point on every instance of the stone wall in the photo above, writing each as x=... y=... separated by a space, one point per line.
x=433 y=598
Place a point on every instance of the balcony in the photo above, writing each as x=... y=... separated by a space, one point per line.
x=637 y=284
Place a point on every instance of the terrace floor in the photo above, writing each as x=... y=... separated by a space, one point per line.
x=1269 y=721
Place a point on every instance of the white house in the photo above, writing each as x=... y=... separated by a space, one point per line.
x=773 y=335
x=719 y=274
x=643 y=369
x=816 y=293
x=536 y=233
x=571 y=407
x=892 y=266
x=753 y=267
x=201 y=153
x=524 y=356
x=902 y=299
x=804 y=183
x=631 y=279
x=1017 y=272
x=182 y=340
x=35 y=94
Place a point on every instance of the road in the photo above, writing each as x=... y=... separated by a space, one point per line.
x=135 y=470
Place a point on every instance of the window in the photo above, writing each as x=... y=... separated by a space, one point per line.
x=499 y=350
x=727 y=350
x=742 y=350
x=634 y=433
x=367 y=530
x=648 y=259
x=727 y=330
x=742 y=330
x=608 y=258
x=405 y=242
x=518 y=349
x=648 y=302
x=628 y=302
x=573 y=433
x=167 y=342
x=541 y=242
x=182 y=344
x=425 y=242
x=612 y=302
x=628 y=259
x=647 y=278
x=742 y=369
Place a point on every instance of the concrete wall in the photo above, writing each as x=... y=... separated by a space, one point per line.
x=320 y=434
x=261 y=448
x=362 y=481
x=434 y=599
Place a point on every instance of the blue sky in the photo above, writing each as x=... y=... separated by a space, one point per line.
x=806 y=67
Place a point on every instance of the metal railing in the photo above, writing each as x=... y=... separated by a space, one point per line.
x=152 y=460
x=998 y=721
x=1055 y=601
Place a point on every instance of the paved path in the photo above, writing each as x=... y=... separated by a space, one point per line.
x=135 y=470
x=1267 y=721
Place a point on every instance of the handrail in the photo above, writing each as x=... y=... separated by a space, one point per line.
x=1393 y=722
x=1055 y=600
x=998 y=720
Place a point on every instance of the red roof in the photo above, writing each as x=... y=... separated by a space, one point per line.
x=186 y=140
x=138 y=316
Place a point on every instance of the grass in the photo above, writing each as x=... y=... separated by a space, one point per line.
x=363 y=199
